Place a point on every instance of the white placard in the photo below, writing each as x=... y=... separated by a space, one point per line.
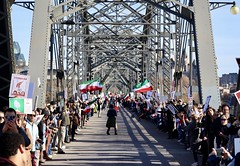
x=19 y=86
x=38 y=119
x=206 y=104
x=171 y=108
x=173 y=95
x=237 y=145
x=84 y=97
x=149 y=94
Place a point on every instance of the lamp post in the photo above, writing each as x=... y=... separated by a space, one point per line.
x=159 y=68
x=234 y=9
x=76 y=79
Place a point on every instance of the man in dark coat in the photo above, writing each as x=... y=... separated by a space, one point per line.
x=111 y=121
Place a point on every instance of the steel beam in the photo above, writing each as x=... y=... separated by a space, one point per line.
x=7 y=66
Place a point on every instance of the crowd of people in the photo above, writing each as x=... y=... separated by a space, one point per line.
x=203 y=132
x=45 y=131
x=209 y=133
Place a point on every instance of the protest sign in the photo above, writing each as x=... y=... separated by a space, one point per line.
x=206 y=104
x=237 y=95
x=19 y=86
x=21 y=105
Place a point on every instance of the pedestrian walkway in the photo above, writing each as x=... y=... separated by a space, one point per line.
x=137 y=143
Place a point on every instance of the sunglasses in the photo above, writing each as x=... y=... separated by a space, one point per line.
x=1 y=117
x=32 y=115
x=224 y=119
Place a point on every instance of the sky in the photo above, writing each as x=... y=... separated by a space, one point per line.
x=225 y=27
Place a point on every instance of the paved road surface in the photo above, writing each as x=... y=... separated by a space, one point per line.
x=137 y=143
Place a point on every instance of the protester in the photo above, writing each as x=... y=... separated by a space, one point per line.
x=21 y=122
x=62 y=123
x=111 y=121
x=54 y=126
x=194 y=136
x=67 y=120
x=74 y=124
x=32 y=127
x=10 y=125
x=1 y=117
x=99 y=103
x=12 y=149
x=170 y=123
x=222 y=156
x=47 y=134
x=224 y=131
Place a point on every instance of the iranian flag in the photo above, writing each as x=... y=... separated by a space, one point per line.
x=87 y=109
x=83 y=85
x=126 y=97
x=143 y=87
x=91 y=85
x=95 y=85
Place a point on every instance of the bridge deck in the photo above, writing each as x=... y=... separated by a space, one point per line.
x=137 y=143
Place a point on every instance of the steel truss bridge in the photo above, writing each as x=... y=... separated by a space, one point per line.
x=122 y=42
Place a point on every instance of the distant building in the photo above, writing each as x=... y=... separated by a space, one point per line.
x=227 y=80
x=20 y=62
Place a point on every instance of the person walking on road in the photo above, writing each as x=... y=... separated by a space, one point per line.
x=111 y=121
x=99 y=102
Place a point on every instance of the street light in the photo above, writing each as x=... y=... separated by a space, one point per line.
x=234 y=9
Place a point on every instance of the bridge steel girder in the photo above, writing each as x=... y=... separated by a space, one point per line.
x=70 y=54
x=206 y=60
x=6 y=54
x=26 y=4
x=94 y=30
x=39 y=50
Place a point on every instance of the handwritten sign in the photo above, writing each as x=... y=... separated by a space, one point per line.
x=19 y=86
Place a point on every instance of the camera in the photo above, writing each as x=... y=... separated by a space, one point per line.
x=10 y=118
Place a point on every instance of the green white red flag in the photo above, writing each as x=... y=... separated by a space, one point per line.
x=95 y=85
x=87 y=109
x=91 y=85
x=143 y=86
x=126 y=97
x=83 y=85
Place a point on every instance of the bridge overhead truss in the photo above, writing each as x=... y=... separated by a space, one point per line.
x=129 y=36
x=124 y=42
